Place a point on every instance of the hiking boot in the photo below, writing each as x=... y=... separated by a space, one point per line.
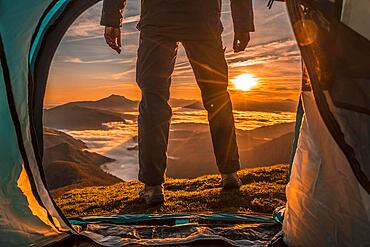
x=152 y=195
x=231 y=181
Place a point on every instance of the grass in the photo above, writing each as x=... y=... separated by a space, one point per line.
x=263 y=190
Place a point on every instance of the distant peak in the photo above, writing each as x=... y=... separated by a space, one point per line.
x=115 y=99
x=117 y=96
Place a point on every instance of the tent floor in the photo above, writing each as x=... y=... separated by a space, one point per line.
x=179 y=230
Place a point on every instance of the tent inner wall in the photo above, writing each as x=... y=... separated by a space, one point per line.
x=28 y=215
x=321 y=210
x=328 y=193
x=19 y=222
x=324 y=42
x=354 y=13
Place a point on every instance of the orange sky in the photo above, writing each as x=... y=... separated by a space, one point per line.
x=84 y=68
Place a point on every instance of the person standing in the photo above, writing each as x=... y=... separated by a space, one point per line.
x=197 y=25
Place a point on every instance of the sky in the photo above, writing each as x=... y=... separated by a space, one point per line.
x=85 y=68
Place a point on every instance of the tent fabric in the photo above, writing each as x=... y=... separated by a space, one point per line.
x=177 y=218
x=328 y=195
x=240 y=235
x=18 y=223
x=353 y=14
x=153 y=230
x=24 y=217
x=321 y=210
x=357 y=126
x=28 y=214
x=322 y=52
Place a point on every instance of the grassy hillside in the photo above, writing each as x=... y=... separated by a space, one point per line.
x=263 y=190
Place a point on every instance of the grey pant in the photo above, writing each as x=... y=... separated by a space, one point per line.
x=155 y=65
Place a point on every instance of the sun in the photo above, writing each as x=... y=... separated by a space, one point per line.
x=244 y=82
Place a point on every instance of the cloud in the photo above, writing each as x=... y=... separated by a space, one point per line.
x=280 y=50
x=84 y=38
x=274 y=17
x=80 y=61
x=122 y=75
x=86 y=28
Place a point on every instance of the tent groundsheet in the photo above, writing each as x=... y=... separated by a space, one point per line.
x=182 y=229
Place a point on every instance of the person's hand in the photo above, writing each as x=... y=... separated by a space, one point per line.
x=112 y=36
x=241 y=41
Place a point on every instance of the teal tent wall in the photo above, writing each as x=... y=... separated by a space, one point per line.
x=28 y=213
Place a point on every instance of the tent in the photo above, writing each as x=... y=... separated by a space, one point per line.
x=328 y=196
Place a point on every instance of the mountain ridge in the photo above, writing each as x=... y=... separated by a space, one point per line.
x=286 y=105
x=74 y=117
x=68 y=165
x=191 y=154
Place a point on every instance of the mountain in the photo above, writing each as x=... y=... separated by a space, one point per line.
x=272 y=152
x=113 y=103
x=67 y=152
x=180 y=102
x=250 y=105
x=71 y=116
x=195 y=106
x=191 y=153
x=67 y=165
x=266 y=106
x=87 y=115
x=272 y=131
x=54 y=137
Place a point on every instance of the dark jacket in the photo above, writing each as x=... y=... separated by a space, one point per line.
x=182 y=18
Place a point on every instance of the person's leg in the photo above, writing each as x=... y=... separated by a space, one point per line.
x=208 y=61
x=155 y=64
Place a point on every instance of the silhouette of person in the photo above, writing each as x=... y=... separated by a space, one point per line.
x=197 y=25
